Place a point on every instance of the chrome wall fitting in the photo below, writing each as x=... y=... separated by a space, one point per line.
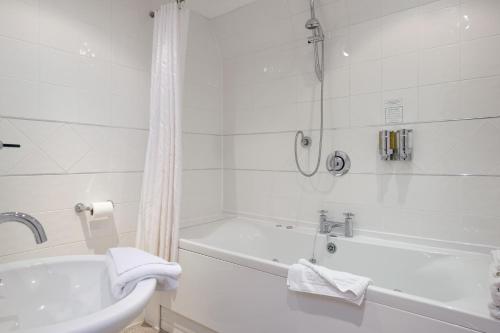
x=338 y=163
x=395 y=145
x=306 y=142
x=9 y=145
x=404 y=139
x=331 y=247
x=385 y=148
x=80 y=207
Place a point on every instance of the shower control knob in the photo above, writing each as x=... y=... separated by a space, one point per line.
x=338 y=163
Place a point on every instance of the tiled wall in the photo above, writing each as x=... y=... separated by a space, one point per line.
x=74 y=92
x=441 y=58
x=202 y=124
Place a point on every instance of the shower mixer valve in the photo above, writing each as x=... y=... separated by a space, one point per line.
x=338 y=163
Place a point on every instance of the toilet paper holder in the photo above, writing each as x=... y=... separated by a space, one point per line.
x=80 y=207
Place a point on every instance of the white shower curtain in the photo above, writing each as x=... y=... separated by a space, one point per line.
x=159 y=210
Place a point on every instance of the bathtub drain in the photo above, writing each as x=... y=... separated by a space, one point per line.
x=276 y=260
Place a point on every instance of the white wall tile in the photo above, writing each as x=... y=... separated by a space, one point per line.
x=440 y=65
x=202 y=120
x=18 y=59
x=202 y=96
x=276 y=92
x=94 y=107
x=202 y=113
x=391 y=6
x=337 y=49
x=335 y=115
x=400 y=71
x=336 y=14
x=439 y=27
x=18 y=98
x=366 y=41
x=366 y=77
x=479 y=97
x=480 y=18
x=366 y=110
x=12 y=159
x=57 y=69
x=479 y=57
x=407 y=50
x=276 y=194
x=245 y=151
x=363 y=10
x=400 y=32
x=57 y=103
x=201 y=195
x=337 y=83
x=440 y=102
x=202 y=151
x=19 y=19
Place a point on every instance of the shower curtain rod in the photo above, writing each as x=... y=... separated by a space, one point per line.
x=179 y=4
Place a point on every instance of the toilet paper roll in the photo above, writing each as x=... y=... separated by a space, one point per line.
x=102 y=209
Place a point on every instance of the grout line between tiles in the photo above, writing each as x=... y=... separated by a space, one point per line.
x=368 y=126
x=73 y=123
x=72 y=173
x=369 y=173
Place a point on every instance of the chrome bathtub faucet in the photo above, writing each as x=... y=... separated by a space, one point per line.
x=33 y=224
x=327 y=226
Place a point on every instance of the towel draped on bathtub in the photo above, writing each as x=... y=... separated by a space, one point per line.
x=309 y=278
x=128 y=266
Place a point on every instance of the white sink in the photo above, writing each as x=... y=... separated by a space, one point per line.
x=65 y=294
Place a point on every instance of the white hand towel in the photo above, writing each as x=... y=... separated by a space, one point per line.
x=128 y=266
x=310 y=278
x=494 y=310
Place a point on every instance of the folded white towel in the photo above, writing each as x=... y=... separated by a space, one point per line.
x=494 y=310
x=314 y=279
x=128 y=266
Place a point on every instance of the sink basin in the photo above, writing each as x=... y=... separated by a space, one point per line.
x=65 y=295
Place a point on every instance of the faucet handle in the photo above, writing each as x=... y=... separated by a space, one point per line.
x=323 y=212
x=348 y=215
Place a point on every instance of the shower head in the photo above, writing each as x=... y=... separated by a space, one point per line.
x=312 y=24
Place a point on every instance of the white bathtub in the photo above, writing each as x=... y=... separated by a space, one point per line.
x=445 y=285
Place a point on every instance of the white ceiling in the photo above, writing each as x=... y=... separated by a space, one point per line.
x=214 y=8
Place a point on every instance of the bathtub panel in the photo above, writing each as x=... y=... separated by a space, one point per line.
x=229 y=298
